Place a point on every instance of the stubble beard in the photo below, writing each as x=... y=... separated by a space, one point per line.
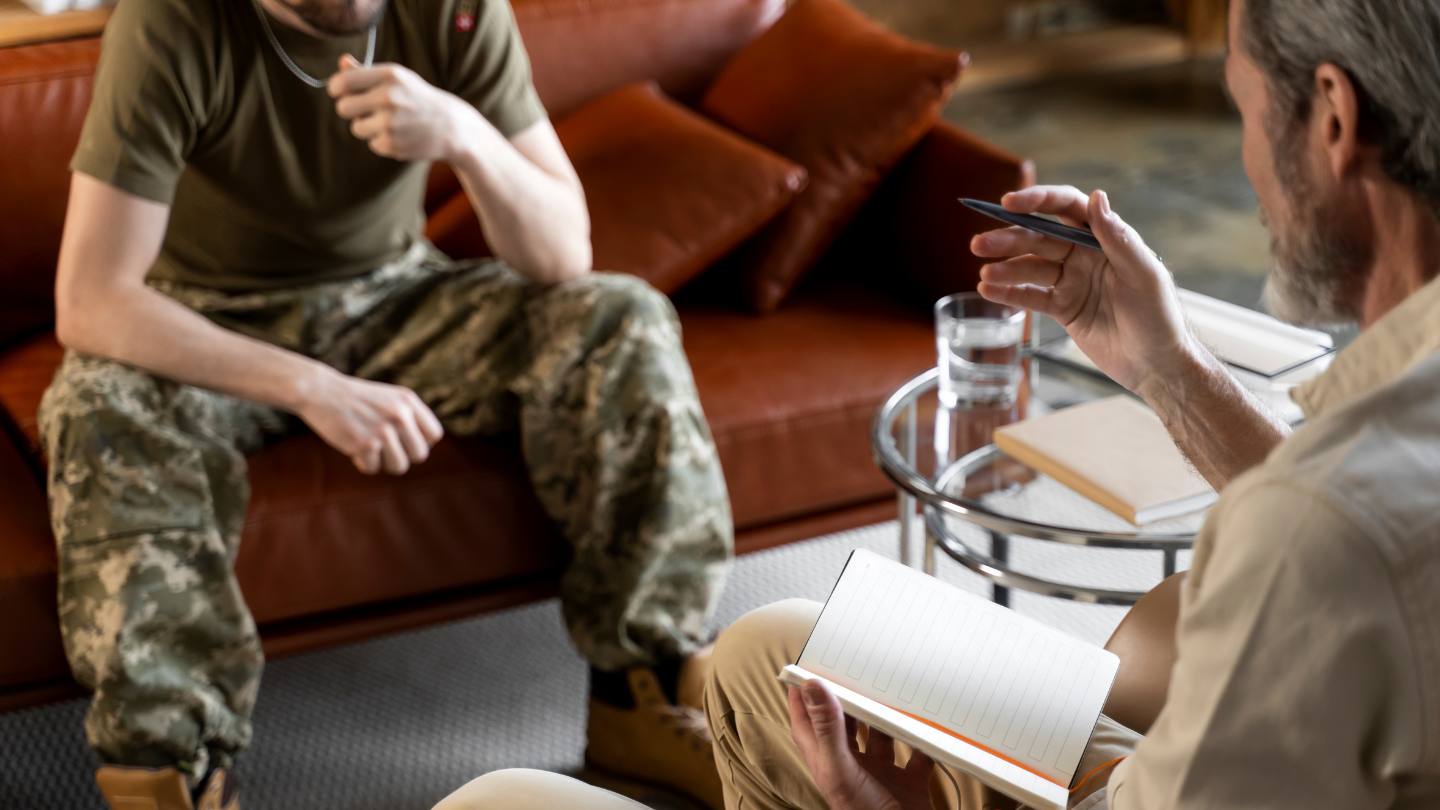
x=339 y=18
x=1320 y=261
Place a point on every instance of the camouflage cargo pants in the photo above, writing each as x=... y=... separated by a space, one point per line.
x=148 y=485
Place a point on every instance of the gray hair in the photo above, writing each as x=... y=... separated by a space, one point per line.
x=1391 y=51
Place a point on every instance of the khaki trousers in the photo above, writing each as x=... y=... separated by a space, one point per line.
x=760 y=767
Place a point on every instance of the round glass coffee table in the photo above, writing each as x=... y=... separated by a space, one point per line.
x=980 y=507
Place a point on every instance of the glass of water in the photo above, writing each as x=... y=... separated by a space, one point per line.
x=980 y=345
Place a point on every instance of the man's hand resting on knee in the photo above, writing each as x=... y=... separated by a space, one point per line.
x=104 y=308
x=376 y=425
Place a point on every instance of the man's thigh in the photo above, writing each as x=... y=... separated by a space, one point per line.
x=455 y=333
x=130 y=451
x=474 y=338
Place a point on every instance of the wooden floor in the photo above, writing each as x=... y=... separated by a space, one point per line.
x=19 y=25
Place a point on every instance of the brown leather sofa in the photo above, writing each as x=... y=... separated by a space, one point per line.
x=330 y=555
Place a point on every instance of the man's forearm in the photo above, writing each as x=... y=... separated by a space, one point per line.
x=1219 y=426
x=532 y=219
x=143 y=328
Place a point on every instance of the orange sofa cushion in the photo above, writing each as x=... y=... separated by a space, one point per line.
x=669 y=191
x=844 y=98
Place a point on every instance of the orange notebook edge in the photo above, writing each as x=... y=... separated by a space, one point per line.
x=1025 y=453
x=987 y=749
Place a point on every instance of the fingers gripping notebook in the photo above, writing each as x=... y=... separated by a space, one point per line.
x=975 y=686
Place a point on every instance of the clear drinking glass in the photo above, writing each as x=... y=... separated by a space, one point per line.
x=979 y=343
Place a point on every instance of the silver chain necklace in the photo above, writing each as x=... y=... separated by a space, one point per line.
x=290 y=63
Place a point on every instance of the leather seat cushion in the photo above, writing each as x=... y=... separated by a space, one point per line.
x=791 y=396
x=320 y=536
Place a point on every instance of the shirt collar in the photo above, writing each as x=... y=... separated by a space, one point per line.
x=1381 y=354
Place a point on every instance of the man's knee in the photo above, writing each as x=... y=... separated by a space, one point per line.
x=521 y=789
x=750 y=653
x=621 y=298
x=497 y=789
x=87 y=387
x=117 y=463
x=627 y=291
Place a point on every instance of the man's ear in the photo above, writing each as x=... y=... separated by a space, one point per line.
x=1336 y=116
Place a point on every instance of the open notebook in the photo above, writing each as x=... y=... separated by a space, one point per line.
x=975 y=686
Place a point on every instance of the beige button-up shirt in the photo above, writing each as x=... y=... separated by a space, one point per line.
x=1309 y=635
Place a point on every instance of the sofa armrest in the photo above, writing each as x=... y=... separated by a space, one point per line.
x=915 y=225
x=30 y=651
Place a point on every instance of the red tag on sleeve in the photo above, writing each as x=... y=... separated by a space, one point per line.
x=465 y=16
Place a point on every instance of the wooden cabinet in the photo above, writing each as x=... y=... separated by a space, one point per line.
x=19 y=25
x=1204 y=21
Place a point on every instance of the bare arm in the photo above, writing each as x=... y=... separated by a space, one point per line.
x=1215 y=422
x=524 y=190
x=1121 y=309
x=104 y=308
x=528 y=198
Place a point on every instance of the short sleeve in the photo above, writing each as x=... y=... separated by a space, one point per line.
x=149 y=99
x=1294 y=683
x=489 y=66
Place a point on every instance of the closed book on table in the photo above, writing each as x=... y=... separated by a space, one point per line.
x=1115 y=452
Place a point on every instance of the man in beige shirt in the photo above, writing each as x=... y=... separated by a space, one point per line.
x=1308 y=671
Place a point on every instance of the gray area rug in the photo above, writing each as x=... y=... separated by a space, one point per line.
x=401 y=721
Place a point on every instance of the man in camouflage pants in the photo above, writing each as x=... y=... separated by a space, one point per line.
x=201 y=324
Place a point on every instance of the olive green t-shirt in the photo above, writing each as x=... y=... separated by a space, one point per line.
x=268 y=188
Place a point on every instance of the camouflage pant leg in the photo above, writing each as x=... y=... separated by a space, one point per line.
x=616 y=444
x=147 y=491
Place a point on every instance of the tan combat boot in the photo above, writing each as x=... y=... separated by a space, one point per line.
x=163 y=789
x=656 y=741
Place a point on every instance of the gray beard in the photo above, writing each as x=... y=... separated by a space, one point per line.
x=1320 y=263
x=1315 y=282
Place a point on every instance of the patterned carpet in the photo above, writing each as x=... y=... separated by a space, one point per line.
x=399 y=722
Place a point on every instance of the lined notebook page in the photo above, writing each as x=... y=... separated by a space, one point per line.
x=999 y=680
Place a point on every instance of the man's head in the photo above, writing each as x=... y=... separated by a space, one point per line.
x=337 y=17
x=1338 y=97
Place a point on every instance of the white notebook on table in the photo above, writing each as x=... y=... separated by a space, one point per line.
x=976 y=686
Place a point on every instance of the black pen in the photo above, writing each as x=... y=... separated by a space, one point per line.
x=1049 y=227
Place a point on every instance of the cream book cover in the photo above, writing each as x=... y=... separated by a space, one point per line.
x=1115 y=452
